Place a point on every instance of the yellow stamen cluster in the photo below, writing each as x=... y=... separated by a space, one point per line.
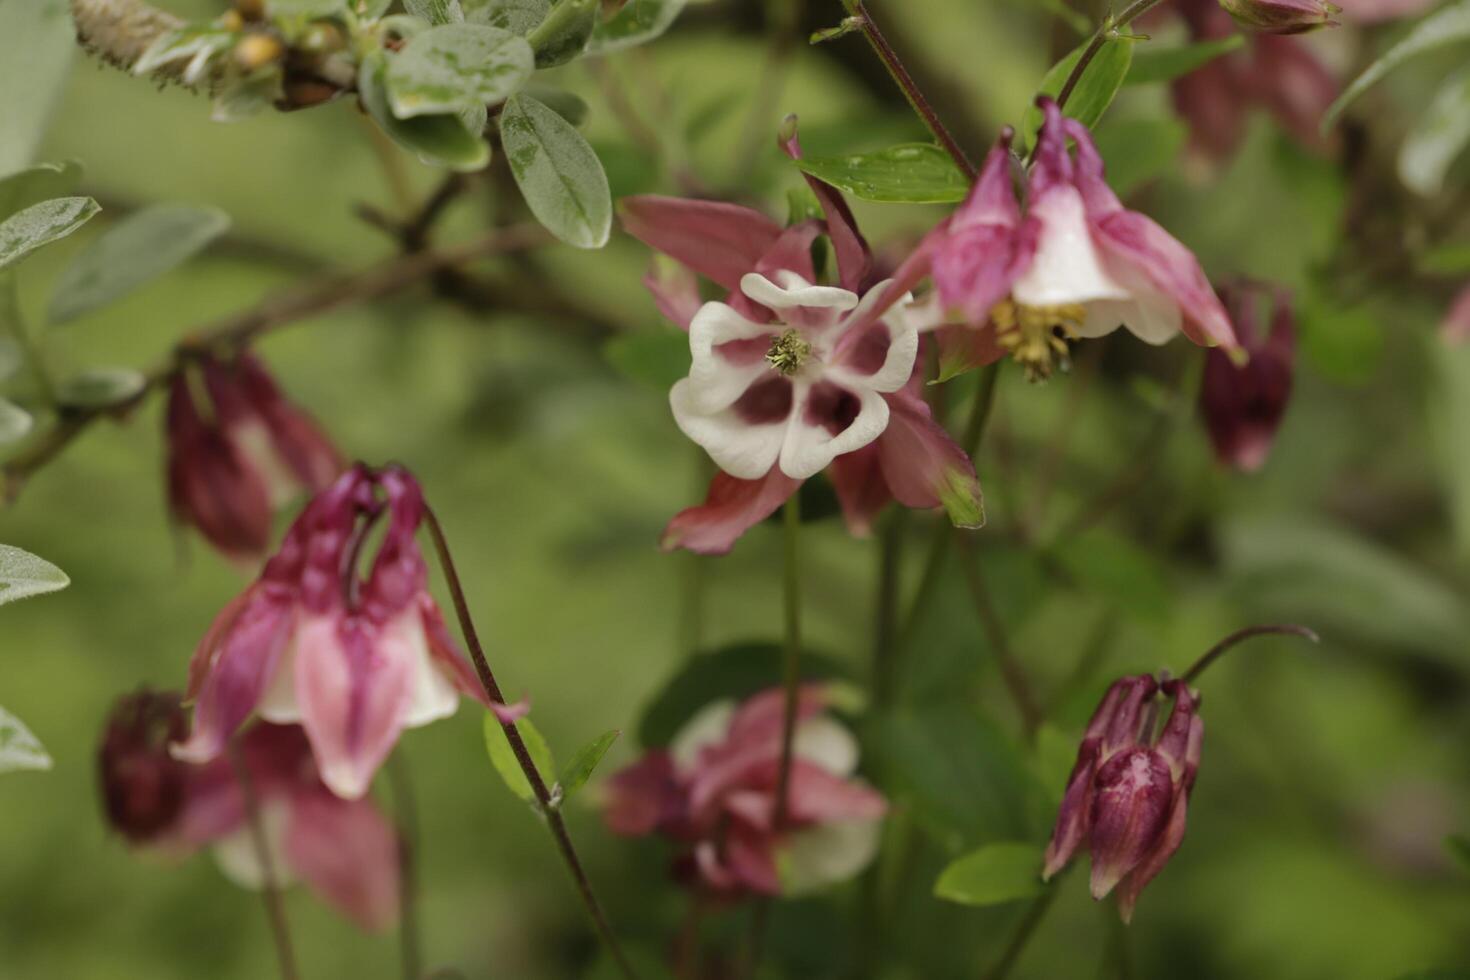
x=788 y=352
x=1037 y=336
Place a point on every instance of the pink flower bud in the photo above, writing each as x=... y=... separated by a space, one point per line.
x=142 y=784
x=1282 y=16
x=1243 y=405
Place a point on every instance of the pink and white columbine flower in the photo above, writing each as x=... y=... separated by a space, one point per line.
x=713 y=790
x=788 y=377
x=345 y=851
x=354 y=660
x=1075 y=263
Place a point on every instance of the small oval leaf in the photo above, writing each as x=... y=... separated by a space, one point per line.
x=503 y=757
x=22 y=574
x=19 y=749
x=517 y=16
x=580 y=769
x=15 y=422
x=36 y=184
x=1094 y=91
x=913 y=173
x=993 y=875
x=40 y=224
x=558 y=173
x=99 y=388
x=456 y=67
x=438 y=140
x=639 y=22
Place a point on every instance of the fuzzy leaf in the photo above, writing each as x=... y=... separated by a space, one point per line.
x=15 y=422
x=22 y=574
x=19 y=749
x=1449 y=25
x=103 y=387
x=40 y=224
x=639 y=22
x=558 y=173
x=504 y=758
x=1094 y=91
x=580 y=769
x=35 y=184
x=436 y=12
x=517 y=16
x=993 y=875
x=440 y=140
x=1164 y=64
x=143 y=246
x=456 y=67
x=914 y=173
x=564 y=34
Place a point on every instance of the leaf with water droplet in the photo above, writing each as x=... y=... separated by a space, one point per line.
x=913 y=173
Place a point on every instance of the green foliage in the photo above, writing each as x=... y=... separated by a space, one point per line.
x=1137 y=151
x=558 y=173
x=564 y=34
x=1094 y=91
x=456 y=67
x=15 y=422
x=585 y=762
x=639 y=22
x=503 y=757
x=1437 y=137
x=517 y=16
x=139 y=248
x=436 y=11
x=993 y=875
x=100 y=387
x=36 y=44
x=1449 y=25
x=22 y=575
x=35 y=184
x=1153 y=64
x=19 y=748
x=915 y=173
x=656 y=358
x=441 y=140
x=41 y=224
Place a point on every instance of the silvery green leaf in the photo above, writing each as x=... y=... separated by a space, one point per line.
x=305 y=8
x=140 y=247
x=455 y=67
x=565 y=104
x=19 y=749
x=436 y=12
x=638 y=22
x=22 y=575
x=36 y=43
x=1449 y=25
x=35 y=184
x=440 y=140
x=15 y=422
x=97 y=388
x=558 y=173
x=40 y=224
x=1437 y=137
x=993 y=875
x=517 y=16
x=564 y=34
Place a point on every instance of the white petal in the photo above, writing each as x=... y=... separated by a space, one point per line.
x=826 y=854
x=1066 y=268
x=1153 y=319
x=809 y=448
x=743 y=450
x=434 y=696
x=709 y=726
x=795 y=292
x=715 y=381
x=825 y=742
x=278 y=704
x=239 y=859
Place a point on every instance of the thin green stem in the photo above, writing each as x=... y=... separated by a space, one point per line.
x=885 y=615
x=791 y=662
x=1110 y=25
x=270 y=891
x=405 y=809
x=1215 y=652
x=1011 y=671
x=1025 y=929
x=548 y=809
x=901 y=77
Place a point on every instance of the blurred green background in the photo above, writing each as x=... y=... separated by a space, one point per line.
x=1332 y=776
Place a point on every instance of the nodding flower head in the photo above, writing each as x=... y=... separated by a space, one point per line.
x=1243 y=404
x=351 y=648
x=1282 y=16
x=1129 y=789
x=346 y=851
x=713 y=792
x=237 y=450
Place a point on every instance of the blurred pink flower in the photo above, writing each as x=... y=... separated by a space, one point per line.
x=237 y=455
x=346 y=851
x=1128 y=793
x=353 y=659
x=1455 y=329
x=713 y=790
x=1243 y=405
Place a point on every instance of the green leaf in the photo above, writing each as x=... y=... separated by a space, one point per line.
x=565 y=104
x=558 y=173
x=993 y=875
x=638 y=22
x=140 y=247
x=504 y=758
x=198 y=44
x=657 y=358
x=1164 y=64
x=104 y=387
x=456 y=67
x=40 y=224
x=1094 y=91
x=1448 y=411
x=1343 y=342
x=1139 y=150
x=19 y=749
x=438 y=140
x=22 y=575
x=580 y=769
x=1437 y=137
x=436 y=12
x=1450 y=25
x=40 y=183
x=517 y=16
x=1452 y=259
x=914 y=173
x=369 y=9
x=36 y=43
x=15 y=422
x=1112 y=566
x=1459 y=847
x=1053 y=756
x=564 y=34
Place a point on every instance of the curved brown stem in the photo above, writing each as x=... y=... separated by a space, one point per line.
x=1215 y=652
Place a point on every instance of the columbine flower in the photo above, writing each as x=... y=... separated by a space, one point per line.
x=1282 y=16
x=237 y=455
x=1074 y=264
x=345 y=850
x=353 y=659
x=714 y=791
x=1128 y=792
x=789 y=377
x=1243 y=404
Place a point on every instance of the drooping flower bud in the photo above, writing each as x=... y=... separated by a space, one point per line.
x=1282 y=16
x=142 y=784
x=1128 y=792
x=1243 y=405
x=236 y=451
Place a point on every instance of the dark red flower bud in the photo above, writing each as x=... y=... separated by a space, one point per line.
x=1243 y=405
x=1282 y=16
x=143 y=785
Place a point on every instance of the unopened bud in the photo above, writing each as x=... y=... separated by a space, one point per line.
x=142 y=784
x=258 y=50
x=322 y=38
x=1282 y=16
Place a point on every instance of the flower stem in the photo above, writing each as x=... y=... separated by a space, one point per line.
x=548 y=809
x=1010 y=668
x=1025 y=929
x=1214 y=653
x=885 y=615
x=1109 y=25
x=405 y=809
x=791 y=663
x=275 y=909
x=901 y=77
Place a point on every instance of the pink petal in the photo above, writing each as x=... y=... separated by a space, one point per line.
x=1052 y=166
x=299 y=440
x=792 y=252
x=1132 y=796
x=751 y=861
x=718 y=240
x=861 y=491
x=643 y=797
x=1153 y=862
x=1074 y=817
x=448 y=656
x=732 y=507
x=817 y=796
x=923 y=467
x=854 y=258
x=346 y=852
x=353 y=687
x=675 y=291
x=763 y=716
x=985 y=246
x=1456 y=327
